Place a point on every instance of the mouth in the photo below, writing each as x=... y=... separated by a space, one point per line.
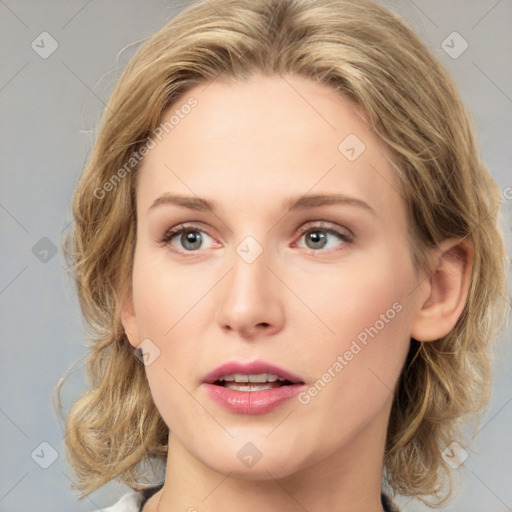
x=251 y=388
x=253 y=382
x=255 y=374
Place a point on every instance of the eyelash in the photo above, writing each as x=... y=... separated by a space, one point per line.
x=321 y=226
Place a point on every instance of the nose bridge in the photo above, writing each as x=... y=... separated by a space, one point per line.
x=250 y=295
x=249 y=269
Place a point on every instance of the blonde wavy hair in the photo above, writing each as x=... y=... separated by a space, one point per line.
x=366 y=54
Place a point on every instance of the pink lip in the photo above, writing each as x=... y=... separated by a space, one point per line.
x=251 y=402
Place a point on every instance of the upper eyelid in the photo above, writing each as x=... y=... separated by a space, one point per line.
x=321 y=224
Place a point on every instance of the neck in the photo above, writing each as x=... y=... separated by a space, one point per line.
x=348 y=480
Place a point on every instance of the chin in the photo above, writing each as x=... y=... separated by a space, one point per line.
x=244 y=461
x=261 y=471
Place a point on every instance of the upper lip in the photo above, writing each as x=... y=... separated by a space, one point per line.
x=250 y=368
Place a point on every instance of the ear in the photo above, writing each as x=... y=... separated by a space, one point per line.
x=448 y=286
x=129 y=320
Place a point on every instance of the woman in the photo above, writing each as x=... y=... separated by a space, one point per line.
x=286 y=245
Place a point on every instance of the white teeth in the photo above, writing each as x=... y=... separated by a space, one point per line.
x=249 y=387
x=261 y=377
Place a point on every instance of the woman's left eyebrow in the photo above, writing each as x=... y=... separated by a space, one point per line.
x=315 y=200
x=296 y=203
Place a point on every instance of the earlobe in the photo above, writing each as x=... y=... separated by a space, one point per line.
x=449 y=285
x=129 y=320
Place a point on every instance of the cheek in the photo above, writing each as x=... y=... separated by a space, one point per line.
x=368 y=313
x=164 y=294
x=365 y=293
x=167 y=303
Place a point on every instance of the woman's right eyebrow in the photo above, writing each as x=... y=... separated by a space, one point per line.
x=190 y=202
x=296 y=203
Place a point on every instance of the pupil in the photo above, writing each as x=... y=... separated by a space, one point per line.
x=193 y=238
x=317 y=237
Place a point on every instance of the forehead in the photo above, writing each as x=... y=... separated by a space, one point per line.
x=253 y=143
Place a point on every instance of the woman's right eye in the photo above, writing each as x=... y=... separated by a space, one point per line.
x=190 y=238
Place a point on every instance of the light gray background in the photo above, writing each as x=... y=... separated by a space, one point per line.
x=50 y=109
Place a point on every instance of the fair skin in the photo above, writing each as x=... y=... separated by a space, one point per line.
x=248 y=147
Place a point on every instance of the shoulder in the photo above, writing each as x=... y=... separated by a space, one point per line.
x=133 y=501
x=388 y=505
x=130 y=502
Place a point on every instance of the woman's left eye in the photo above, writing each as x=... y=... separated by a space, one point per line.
x=323 y=237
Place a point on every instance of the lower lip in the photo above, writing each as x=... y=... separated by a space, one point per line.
x=252 y=402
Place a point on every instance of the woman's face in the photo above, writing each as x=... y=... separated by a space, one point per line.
x=294 y=256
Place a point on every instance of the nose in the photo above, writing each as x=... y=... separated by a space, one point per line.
x=250 y=302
